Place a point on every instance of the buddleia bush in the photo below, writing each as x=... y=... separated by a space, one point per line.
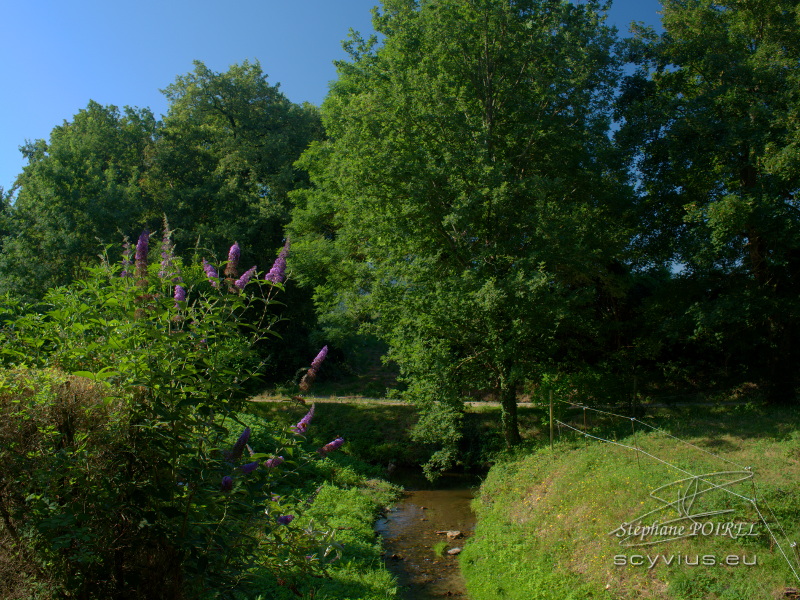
x=120 y=477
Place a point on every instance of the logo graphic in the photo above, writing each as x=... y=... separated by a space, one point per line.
x=694 y=505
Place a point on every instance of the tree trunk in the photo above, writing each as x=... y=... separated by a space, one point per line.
x=508 y=404
x=782 y=366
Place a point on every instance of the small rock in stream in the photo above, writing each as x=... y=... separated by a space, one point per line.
x=451 y=534
x=454 y=551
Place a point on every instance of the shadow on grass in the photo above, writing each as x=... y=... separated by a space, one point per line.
x=773 y=423
x=380 y=434
x=376 y=433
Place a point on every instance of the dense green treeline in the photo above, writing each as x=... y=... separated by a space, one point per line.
x=219 y=165
x=486 y=188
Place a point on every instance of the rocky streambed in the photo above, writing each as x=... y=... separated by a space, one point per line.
x=423 y=534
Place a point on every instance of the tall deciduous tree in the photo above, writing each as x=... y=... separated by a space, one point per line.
x=223 y=164
x=76 y=191
x=712 y=116
x=465 y=205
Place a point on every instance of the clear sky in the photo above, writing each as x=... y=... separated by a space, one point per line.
x=56 y=55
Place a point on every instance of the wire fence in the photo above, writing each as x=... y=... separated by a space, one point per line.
x=755 y=501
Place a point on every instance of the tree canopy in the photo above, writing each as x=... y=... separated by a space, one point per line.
x=711 y=120
x=463 y=206
x=77 y=190
x=219 y=166
x=223 y=163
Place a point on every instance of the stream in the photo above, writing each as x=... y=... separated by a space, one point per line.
x=409 y=533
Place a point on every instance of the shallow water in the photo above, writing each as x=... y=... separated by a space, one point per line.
x=409 y=534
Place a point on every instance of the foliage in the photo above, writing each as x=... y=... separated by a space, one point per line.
x=74 y=191
x=223 y=163
x=464 y=207
x=219 y=166
x=378 y=434
x=710 y=122
x=142 y=491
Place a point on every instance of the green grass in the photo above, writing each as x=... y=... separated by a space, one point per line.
x=544 y=518
x=439 y=548
x=360 y=573
x=374 y=433
x=350 y=499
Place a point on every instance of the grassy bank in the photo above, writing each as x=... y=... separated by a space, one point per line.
x=348 y=496
x=380 y=434
x=350 y=503
x=545 y=519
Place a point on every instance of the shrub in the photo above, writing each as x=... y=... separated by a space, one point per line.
x=121 y=478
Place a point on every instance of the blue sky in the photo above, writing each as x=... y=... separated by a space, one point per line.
x=56 y=55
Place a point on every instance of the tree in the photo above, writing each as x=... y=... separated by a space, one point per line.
x=465 y=207
x=5 y=214
x=73 y=193
x=219 y=166
x=711 y=116
x=223 y=163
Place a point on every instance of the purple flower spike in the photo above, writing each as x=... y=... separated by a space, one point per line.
x=285 y=519
x=227 y=483
x=233 y=254
x=285 y=250
x=180 y=293
x=142 y=247
x=317 y=362
x=211 y=273
x=311 y=375
x=302 y=425
x=277 y=273
x=238 y=447
x=331 y=446
x=249 y=467
x=231 y=269
x=242 y=281
x=273 y=462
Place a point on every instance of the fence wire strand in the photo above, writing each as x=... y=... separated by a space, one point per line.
x=753 y=501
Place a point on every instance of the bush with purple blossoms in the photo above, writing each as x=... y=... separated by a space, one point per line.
x=187 y=509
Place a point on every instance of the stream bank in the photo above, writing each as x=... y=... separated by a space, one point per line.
x=409 y=533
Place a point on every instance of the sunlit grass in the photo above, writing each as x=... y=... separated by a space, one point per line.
x=545 y=518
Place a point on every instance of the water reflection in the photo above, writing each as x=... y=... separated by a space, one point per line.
x=409 y=532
